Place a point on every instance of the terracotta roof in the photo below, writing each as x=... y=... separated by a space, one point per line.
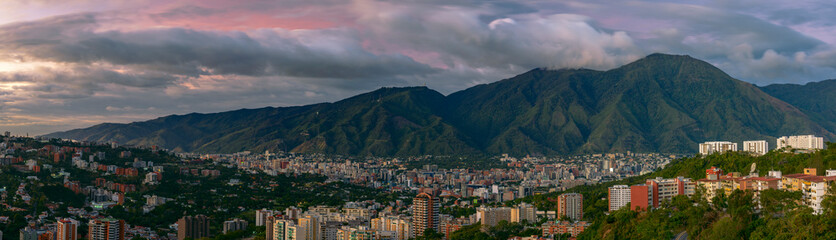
x=767 y=179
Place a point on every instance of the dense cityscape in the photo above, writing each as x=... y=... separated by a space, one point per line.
x=58 y=190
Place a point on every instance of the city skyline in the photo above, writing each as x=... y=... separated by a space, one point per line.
x=69 y=64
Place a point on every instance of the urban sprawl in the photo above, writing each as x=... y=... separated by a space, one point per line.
x=482 y=195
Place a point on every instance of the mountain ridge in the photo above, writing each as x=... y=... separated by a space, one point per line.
x=660 y=103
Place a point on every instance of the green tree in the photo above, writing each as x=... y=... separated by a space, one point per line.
x=430 y=234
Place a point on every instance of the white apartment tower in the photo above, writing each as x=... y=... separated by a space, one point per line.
x=708 y=148
x=807 y=142
x=618 y=196
x=759 y=147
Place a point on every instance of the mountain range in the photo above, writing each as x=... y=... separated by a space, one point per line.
x=660 y=103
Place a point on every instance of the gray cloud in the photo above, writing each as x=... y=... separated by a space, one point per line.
x=300 y=53
x=89 y=69
x=461 y=36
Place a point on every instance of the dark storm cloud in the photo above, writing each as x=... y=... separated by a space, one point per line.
x=279 y=52
x=208 y=56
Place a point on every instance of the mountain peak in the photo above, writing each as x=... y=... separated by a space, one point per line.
x=660 y=103
x=661 y=58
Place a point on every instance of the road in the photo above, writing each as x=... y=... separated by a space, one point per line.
x=681 y=236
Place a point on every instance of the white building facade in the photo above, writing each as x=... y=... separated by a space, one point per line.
x=759 y=147
x=806 y=142
x=618 y=196
x=708 y=148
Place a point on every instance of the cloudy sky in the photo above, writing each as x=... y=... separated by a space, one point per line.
x=75 y=63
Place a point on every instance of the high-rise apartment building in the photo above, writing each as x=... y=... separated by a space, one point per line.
x=106 y=229
x=806 y=142
x=284 y=229
x=425 y=209
x=641 y=197
x=401 y=227
x=28 y=233
x=759 y=148
x=570 y=205
x=654 y=191
x=618 y=196
x=665 y=189
x=66 y=229
x=234 y=225
x=194 y=227
x=310 y=224
x=524 y=211
x=261 y=216
x=492 y=216
x=708 y=148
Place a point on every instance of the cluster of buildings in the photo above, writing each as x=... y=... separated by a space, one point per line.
x=358 y=223
x=761 y=147
x=812 y=186
x=646 y=196
x=522 y=177
x=67 y=229
x=650 y=194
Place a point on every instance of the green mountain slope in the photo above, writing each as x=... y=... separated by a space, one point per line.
x=816 y=99
x=389 y=121
x=661 y=103
x=692 y=215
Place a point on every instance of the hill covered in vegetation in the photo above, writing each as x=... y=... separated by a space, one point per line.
x=660 y=103
x=729 y=217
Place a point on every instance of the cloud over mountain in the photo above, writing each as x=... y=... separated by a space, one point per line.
x=64 y=63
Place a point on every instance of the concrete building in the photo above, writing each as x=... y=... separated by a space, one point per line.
x=294 y=232
x=708 y=148
x=359 y=233
x=310 y=225
x=106 y=229
x=28 y=233
x=641 y=197
x=666 y=189
x=425 y=209
x=805 y=142
x=66 y=229
x=819 y=188
x=399 y=226
x=362 y=213
x=570 y=205
x=261 y=216
x=523 y=211
x=492 y=216
x=758 y=148
x=287 y=230
x=618 y=196
x=194 y=227
x=552 y=228
x=234 y=225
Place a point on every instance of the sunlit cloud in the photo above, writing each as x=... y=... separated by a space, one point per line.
x=68 y=64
